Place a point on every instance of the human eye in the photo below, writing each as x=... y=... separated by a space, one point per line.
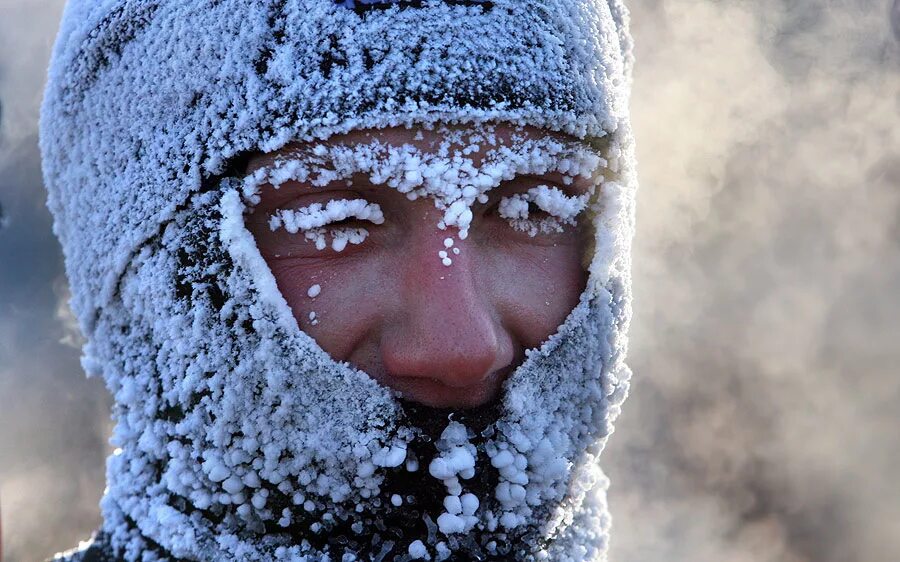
x=542 y=209
x=334 y=224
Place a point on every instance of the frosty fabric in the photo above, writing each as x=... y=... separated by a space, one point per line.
x=235 y=432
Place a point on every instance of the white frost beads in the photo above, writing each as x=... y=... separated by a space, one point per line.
x=455 y=461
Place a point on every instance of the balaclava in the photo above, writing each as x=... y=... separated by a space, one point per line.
x=238 y=437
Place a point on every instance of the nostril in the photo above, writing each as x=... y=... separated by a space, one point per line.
x=446 y=365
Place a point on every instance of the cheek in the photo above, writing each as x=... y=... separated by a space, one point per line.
x=535 y=287
x=529 y=288
x=347 y=307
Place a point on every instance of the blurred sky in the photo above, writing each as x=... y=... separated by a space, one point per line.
x=764 y=422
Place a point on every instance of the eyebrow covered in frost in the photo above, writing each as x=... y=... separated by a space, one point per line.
x=444 y=175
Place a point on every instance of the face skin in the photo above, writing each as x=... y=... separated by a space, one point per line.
x=446 y=337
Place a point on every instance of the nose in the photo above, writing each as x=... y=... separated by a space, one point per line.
x=445 y=346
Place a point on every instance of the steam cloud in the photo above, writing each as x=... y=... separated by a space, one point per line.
x=895 y=18
x=763 y=422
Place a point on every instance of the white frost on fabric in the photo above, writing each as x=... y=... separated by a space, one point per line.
x=230 y=420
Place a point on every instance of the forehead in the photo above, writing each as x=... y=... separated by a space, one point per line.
x=476 y=141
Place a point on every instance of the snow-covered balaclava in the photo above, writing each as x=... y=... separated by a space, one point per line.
x=238 y=437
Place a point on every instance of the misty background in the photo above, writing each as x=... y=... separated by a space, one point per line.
x=764 y=422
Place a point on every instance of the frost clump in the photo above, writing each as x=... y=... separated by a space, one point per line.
x=390 y=457
x=417 y=550
x=455 y=461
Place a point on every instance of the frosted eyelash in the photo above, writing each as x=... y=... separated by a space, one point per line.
x=563 y=209
x=312 y=221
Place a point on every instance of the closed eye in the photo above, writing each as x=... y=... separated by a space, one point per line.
x=307 y=230
x=541 y=209
x=331 y=213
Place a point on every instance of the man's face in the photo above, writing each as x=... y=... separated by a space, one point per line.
x=441 y=317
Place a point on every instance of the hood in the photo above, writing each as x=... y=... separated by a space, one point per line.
x=237 y=436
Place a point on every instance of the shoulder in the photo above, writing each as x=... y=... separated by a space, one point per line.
x=94 y=550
